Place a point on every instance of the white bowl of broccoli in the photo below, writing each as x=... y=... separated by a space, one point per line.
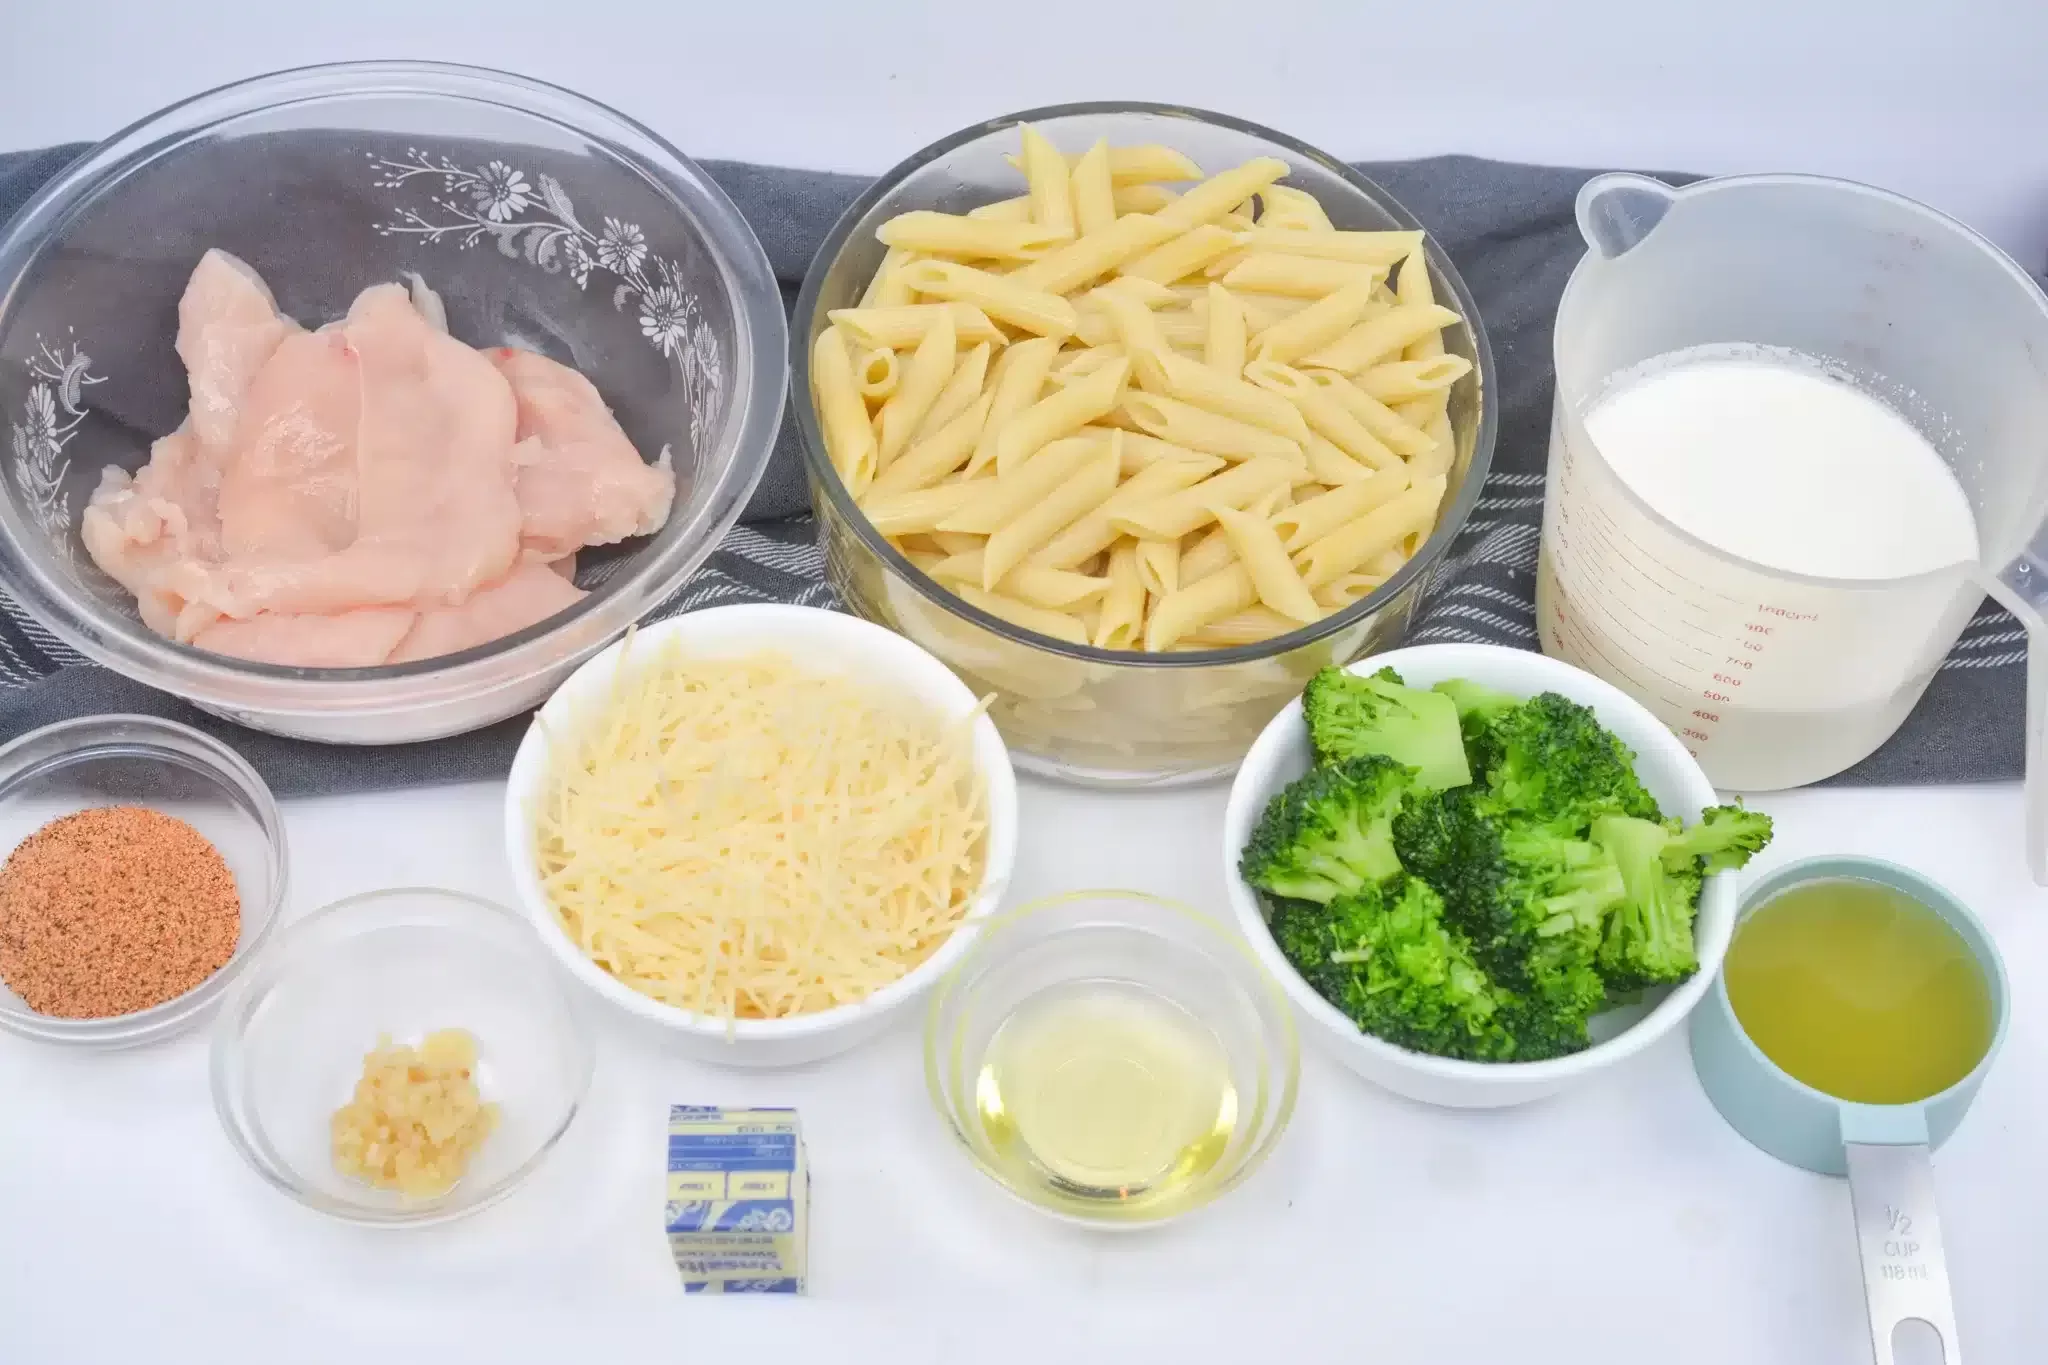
x=1481 y=873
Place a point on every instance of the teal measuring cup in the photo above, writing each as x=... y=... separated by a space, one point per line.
x=1883 y=1149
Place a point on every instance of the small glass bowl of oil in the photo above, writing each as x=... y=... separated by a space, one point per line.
x=1112 y=1057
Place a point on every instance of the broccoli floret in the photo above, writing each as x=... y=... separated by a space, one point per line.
x=1329 y=833
x=1648 y=940
x=1511 y=888
x=1726 y=837
x=1350 y=714
x=1402 y=975
x=1550 y=760
x=1477 y=706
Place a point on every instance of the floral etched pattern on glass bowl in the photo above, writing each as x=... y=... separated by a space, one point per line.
x=1112 y=717
x=542 y=220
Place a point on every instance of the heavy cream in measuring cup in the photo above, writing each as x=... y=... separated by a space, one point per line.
x=1764 y=456
x=1774 y=467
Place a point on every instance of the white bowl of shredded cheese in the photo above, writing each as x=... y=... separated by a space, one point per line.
x=766 y=829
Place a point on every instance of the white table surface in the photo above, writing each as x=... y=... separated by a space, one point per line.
x=1620 y=1223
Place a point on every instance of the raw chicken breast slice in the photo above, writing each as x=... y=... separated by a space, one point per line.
x=362 y=638
x=435 y=448
x=583 y=483
x=228 y=325
x=435 y=512
x=533 y=592
x=139 y=529
x=289 y=490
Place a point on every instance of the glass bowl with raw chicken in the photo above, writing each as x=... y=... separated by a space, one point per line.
x=361 y=402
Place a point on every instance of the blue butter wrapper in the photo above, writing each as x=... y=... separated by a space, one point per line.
x=738 y=1214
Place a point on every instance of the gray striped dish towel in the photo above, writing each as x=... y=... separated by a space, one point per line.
x=1509 y=228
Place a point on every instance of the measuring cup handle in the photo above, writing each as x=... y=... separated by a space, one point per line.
x=1617 y=210
x=1905 y=1273
x=2021 y=587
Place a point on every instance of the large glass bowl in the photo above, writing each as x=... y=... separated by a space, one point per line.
x=1096 y=716
x=541 y=218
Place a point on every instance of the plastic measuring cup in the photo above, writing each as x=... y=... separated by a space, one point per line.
x=1777 y=679
x=1882 y=1148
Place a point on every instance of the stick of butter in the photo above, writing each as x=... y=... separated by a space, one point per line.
x=739 y=1193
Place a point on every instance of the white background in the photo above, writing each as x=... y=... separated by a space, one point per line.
x=1620 y=1223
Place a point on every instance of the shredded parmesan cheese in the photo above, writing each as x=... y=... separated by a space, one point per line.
x=744 y=838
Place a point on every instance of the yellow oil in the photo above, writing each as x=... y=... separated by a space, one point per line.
x=1102 y=1094
x=1860 y=991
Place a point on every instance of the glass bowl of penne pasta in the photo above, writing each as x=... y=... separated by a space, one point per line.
x=1137 y=416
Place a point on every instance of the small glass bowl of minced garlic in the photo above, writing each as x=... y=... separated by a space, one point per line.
x=401 y=1057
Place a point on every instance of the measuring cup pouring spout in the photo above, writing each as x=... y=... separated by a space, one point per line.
x=1617 y=210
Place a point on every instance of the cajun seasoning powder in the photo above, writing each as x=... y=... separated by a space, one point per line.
x=114 y=910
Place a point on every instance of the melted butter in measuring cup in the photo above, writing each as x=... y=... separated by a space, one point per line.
x=1766 y=457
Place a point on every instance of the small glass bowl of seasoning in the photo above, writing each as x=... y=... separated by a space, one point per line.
x=142 y=864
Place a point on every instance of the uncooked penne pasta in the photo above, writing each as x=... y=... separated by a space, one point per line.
x=1007 y=495
x=1096 y=530
x=1180 y=257
x=1142 y=451
x=1159 y=566
x=1140 y=198
x=1351 y=545
x=1375 y=416
x=903 y=326
x=1329 y=417
x=1331 y=465
x=1121 y=624
x=1077 y=262
x=875 y=373
x=1259 y=550
x=1210 y=552
x=1094 y=205
x=1188 y=609
x=948 y=234
x=1305 y=277
x=1016 y=383
x=1175 y=418
x=931 y=458
x=1060 y=413
x=1308 y=521
x=1184 y=424
x=1286 y=209
x=886 y=289
x=1223 y=344
x=1221 y=194
x=1002 y=297
x=1442 y=447
x=1059 y=589
x=1050 y=182
x=1313 y=328
x=842 y=416
x=1345 y=589
x=1397 y=381
x=1017 y=210
x=961 y=390
x=902 y=514
x=931 y=365
x=1377 y=338
x=1036 y=522
x=1176 y=514
x=1197 y=384
x=1060 y=625
x=1383 y=249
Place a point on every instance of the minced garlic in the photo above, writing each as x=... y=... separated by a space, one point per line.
x=417 y=1116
